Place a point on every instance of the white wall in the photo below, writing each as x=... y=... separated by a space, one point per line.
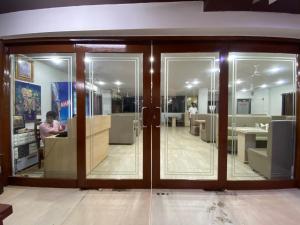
x=265 y=101
x=106 y=102
x=275 y=102
x=202 y=100
x=168 y=18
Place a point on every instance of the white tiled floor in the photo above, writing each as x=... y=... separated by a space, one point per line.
x=54 y=206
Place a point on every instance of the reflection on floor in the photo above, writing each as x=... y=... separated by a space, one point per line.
x=186 y=157
x=55 y=206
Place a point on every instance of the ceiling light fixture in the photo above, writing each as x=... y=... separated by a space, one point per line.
x=118 y=83
x=244 y=90
x=195 y=82
x=100 y=82
x=87 y=59
x=279 y=82
x=151 y=59
x=275 y=70
x=189 y=86
x=238 y=81
x=56 y=60
x=263 y=86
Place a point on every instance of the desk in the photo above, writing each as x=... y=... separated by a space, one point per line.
x=246 y=138
x=201 y=125
x=61 y=152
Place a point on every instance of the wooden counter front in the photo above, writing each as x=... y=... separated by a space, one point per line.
x=61 y=152
x=97 y=140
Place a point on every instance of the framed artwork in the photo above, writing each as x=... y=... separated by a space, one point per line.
x=24 y=70
x=63 y=96
x=27 y=100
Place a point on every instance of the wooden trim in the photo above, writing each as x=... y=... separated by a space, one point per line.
x=223 y=118
x=41 y=48
x=260 y=185
x=137 y=39
x=42 y=182
x=81 y=129
x=5 y=131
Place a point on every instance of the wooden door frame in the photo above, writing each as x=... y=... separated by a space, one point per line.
x=72 y=45
x=201 y=46
x=6 y=117
x=143 y=48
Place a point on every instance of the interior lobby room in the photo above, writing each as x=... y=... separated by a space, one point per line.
x=149 y=112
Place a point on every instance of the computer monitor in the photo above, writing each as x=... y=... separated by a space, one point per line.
x=18 y=122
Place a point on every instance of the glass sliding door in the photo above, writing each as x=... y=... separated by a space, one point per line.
x=261 y=116
x=43 y=115
x=189 y=114
x=114 y=120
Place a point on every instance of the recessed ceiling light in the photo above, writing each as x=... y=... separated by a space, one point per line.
x=263 y=86
x=87 y=59
x=195 y=82
x=244 y=90
x=231 y=57
x=279 y=82
x=151 y=71
x=238 y=81
x=20 y=61
x=118 y=83
x=215 y=70
x=100 y=82
x=189 y=86
x=56 y=60
x=151 y=59
x=275 y=70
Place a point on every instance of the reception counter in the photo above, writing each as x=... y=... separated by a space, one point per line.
x=60 y=159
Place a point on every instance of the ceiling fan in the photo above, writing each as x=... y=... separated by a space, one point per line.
x=256 y=73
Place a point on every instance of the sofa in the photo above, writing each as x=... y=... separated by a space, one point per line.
x=208 y=130
x=124 y=128
x=277 y=159
x=194 y=126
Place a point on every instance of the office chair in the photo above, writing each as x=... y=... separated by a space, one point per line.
x=37 y=134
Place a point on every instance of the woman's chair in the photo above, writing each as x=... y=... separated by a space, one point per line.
x=38 y=139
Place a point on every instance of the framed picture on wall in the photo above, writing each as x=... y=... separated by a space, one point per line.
x=27 y=100
x=24 y=70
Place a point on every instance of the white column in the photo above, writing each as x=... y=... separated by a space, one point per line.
x=106 y=102
x=202 y=100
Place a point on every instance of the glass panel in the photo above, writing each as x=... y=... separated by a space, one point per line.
x=43 y=105
x=261 y=120
x=114 y=100
x=189 y=102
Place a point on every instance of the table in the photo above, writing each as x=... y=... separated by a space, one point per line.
x=201 y=125
x=246 y=138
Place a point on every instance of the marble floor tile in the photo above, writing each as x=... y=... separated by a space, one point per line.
x=56 y=206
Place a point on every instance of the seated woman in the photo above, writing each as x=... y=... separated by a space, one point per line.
x=50 y=126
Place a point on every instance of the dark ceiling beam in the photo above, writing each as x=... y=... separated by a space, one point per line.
x=19 y=5
x=283 y=6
